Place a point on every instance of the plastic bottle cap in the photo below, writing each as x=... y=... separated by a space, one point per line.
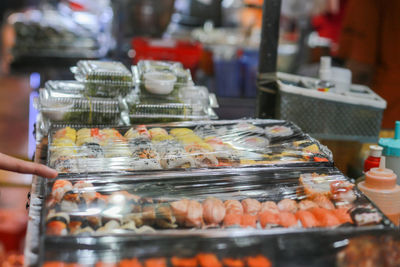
x=391 y=146
x=380 y=178
x=325 y=72
x=375 y=151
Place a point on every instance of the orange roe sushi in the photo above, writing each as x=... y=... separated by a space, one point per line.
x=229 y=262
x=287 y=219
x=155 y=262
x=342 y=215
x=307 y=219
x=55 y=264
x=326 y=218
x=258 y=261
x=248 y=220
x=183 y=262
x=232 y=219
x=208 y=260
x=268 y=217
x=130 y=263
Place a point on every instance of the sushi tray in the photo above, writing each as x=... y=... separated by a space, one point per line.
x=199 y=202
x=342 y=248
x=182 y=146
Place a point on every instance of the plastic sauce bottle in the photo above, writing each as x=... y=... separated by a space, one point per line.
x=380 y=186
x=374 y=158
x=391 y=150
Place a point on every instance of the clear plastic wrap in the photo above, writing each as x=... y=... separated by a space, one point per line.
x=261 y=200
x=172 y=67
x=203 y=144
x=104 y=78
x=340 y=248
x=76 y=89
x=77 y=110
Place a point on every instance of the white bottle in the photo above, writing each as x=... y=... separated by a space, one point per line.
x=325 y=75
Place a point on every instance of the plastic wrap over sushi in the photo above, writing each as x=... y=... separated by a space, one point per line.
x=200 y=145
x=253 y=200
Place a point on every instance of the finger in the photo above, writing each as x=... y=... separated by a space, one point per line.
x=21 y=166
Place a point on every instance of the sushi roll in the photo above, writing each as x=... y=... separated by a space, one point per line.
x=172 y=155
x=224 y=152
x=86 y=135
x=213 y=211
x=56 y=227
x=139 y=132
x=91 y=150
x=244 y=127
x=60 y=187
x=119 y=149
x=365 y=215
x=76 y=224
x=202 y=157
x=109 y=227
x=176 y=132
x=86 y=190
x=315 y=184
x=159 y=134
x=66 y=132
x=278 y=131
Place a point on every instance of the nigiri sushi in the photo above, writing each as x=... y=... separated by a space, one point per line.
x=130 y=263
x=60 y=187
x=258 y=261
x=287 y=219
x=251 y=206
x=288 y=205
x=269 y=206
x=233 y=206
x=323 y=202
x=232 y=219
x=230 y=262
x=325 y=217
x=213 y=211
x=208 y=260
x=268 y=218
x=180 y=210
x=307 y=219
x=155 y=262
x=343 y=215
x=183 y=262
x=248 y=220
x=307 y=204
x=194 y=216
x=56 y=227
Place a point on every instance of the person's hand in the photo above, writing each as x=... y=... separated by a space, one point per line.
x=21 y=166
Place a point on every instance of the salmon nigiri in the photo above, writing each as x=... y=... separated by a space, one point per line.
x=251 y=206
x=208 y=260
x=248 y=220
x=130 y=263
x=229 y=262
x=307 y=219
x=323 y=202
x=325 y=217
x=343 y=215
x=288 y=205
x=258 y=261
x=155 y=262
x=307 y=204
x=287 y=219
x=183 y=262
x=269 y=206
x=213 y=211
x=232 y=219
x=268 y=218
x=233 y=206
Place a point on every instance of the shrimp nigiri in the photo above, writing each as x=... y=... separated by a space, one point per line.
x=194 y=216
x=180 y=210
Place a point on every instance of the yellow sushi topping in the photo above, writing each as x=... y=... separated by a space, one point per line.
x=180 y=131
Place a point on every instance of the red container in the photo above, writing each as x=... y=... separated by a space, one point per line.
x=186 y=52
